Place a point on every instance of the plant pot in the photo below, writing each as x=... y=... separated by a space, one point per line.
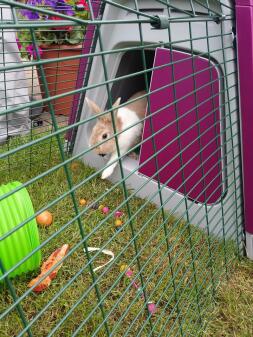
x=61 y=76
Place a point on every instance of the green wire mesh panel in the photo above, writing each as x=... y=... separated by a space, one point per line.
x=145 y=190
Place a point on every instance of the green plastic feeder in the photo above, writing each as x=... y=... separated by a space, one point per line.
x=15 y=209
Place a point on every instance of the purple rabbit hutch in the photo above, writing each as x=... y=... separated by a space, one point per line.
x=190 y=144
x=204 y=169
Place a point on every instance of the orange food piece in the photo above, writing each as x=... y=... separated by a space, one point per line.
x=44 y=219
x=54 y=258
x=42 y=285
x=118 y=223
x=82 y=202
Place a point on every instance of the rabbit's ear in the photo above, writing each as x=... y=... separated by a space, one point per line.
x=116 y=104
x=93 y=106
x=107 y=117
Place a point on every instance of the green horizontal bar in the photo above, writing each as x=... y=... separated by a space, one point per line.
x=39 y=24
x=23 y=24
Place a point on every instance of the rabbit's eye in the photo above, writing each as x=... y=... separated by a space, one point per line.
x=104 y=136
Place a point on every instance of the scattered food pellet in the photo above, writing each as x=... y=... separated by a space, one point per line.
x=118 y=214
x=129 y=273
x=105 y=210
x=101 y=207
x=152 y=308
x=118 y=223
x=123 y=268
x=95 y=205
x=82 y=202
x=44 y=219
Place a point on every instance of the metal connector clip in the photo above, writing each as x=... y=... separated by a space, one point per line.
x=161 y=22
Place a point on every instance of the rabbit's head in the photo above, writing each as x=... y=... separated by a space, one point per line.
x=102 y=131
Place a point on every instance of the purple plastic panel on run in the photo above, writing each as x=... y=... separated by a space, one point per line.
x=244 y=2
x=86 y=49
x=244 y=34
x=188 y=141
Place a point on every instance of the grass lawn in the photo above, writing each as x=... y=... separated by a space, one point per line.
x=182 y=282
x=232 y=315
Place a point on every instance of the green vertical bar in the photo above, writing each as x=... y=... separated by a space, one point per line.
x=15 y=298
x=216 y=140
x=232 y=142
x=201 y=160
x=150 y=119
x=5 y=92
x=183 y=179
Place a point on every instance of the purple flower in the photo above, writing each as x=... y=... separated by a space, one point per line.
x=31 y=50
x=30 y=14
x=34 y=2
x=60 y=6
x=49 y=2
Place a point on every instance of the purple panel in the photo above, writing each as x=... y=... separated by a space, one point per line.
x=87 y=46
x=244 y=2
x=244 y=19
x=196 y=133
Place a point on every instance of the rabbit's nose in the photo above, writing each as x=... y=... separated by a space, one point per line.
x=101 y=154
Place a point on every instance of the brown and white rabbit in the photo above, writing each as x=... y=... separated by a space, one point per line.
x=131 y=114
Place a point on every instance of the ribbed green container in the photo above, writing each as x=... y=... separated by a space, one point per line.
x=13 y=210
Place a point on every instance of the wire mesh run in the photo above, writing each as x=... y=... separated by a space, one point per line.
x=120 y=196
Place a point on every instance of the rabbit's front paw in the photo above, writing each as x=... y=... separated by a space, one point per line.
x=107 y=172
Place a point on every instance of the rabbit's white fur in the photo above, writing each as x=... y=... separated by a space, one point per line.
x=125 y=140
x=125 y=117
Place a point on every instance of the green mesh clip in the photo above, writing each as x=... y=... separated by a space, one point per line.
x=161 y=22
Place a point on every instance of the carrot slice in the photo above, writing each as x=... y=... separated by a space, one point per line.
x=54 y=258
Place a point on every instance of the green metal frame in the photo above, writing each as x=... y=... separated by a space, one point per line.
x=184 y=264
